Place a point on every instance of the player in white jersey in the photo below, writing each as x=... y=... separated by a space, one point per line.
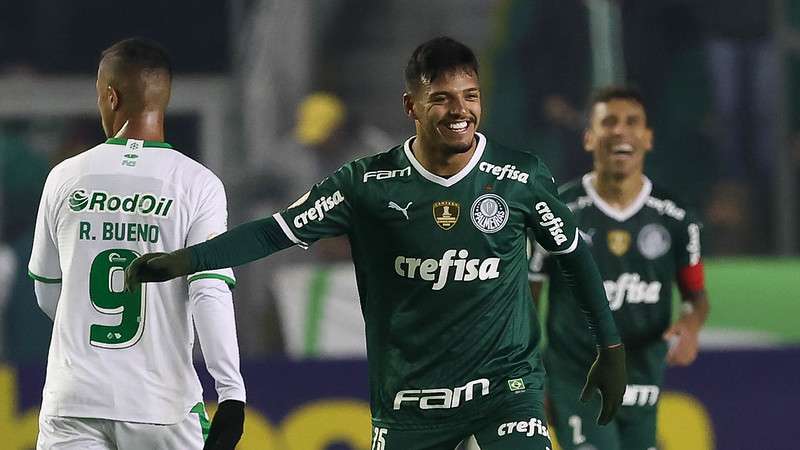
x=119 y=372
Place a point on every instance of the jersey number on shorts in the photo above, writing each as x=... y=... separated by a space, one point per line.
x=577 y=436
x=379 y=438
x=106 y=291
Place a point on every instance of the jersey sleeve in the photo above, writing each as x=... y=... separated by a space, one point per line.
x=45 y=265
x=324 y=211
x=688 y=255
x=211 y=219
x=551 y=221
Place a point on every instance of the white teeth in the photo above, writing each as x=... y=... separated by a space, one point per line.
x=458 y=126
x=623 y=148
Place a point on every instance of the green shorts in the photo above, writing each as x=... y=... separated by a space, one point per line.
x=634 y=426
x=517 y=422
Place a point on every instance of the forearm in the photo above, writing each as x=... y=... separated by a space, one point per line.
x=47 y=295
x=695 y=308
x=216 y=329
x=242 y=244
x=583 y=278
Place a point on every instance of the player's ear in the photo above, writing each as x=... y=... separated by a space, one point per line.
x=113 y=97
x=589 y=140
x=648 y=139
x=408 y=105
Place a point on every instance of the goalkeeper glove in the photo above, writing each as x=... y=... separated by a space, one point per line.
x=226 y=427
x=607 y=375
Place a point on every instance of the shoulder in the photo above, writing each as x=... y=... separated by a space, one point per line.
x=668 y=204
x=390 y=164
x=69 y=168
x=572 y=190
x=520 y=165
x=189 y=171
x=499 y=154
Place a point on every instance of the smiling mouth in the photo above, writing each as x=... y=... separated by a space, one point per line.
x=622 y=150
x=458 y=127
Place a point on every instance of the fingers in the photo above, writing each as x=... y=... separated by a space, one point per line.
x=136 y=271
x=682 y=351
x=611 y=399
x=132 y=282
x=609 y=409
x=681 y=355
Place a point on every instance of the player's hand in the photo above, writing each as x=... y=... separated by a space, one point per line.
x=683 y=337
x=155 y=267
x=607 y=375
x=226 y=427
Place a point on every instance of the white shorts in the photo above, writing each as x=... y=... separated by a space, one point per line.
x=75 y=433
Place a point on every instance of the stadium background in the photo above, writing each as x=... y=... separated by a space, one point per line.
x=272 y=95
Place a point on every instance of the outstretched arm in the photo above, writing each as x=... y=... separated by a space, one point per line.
x=586 y=284
x=555 y=229
x=607 y=374
x=245 y=243
x=324 y=211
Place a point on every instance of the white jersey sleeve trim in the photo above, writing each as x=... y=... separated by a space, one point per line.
x=288 y=231
x=571 y=248
x=231 y=282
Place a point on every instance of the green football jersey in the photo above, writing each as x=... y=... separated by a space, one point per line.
x=441 y=268
x=640 y=252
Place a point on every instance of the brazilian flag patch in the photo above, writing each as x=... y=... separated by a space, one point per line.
x=516 y=385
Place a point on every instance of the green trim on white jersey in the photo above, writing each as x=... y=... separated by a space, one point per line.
x=123 y=141
x=214 y=276
x=205 y=424
x=43 y=279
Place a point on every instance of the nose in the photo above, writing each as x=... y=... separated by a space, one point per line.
x=458 y=107
x=620 y=128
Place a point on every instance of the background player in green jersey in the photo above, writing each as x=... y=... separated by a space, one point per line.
x=437 y=227
x=643 y=240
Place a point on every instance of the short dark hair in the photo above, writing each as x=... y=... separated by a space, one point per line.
x=139 y=53
x=437 y=56
x=616 y=92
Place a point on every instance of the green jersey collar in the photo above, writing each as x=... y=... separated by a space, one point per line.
x=123 y=141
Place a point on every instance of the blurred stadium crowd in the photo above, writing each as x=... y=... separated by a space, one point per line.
x=315 y=83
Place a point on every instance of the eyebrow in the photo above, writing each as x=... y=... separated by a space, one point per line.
x=472 y=89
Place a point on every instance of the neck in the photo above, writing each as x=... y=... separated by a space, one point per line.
x=617 y=191
x=441 y=161
x=146 y=125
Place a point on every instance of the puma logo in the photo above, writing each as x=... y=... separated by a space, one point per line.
x=393 y=205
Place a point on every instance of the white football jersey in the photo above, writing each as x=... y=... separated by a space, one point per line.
x=118 y=355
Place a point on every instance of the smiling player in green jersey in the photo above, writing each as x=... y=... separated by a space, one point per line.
x=437 y=227
x=643 y=241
